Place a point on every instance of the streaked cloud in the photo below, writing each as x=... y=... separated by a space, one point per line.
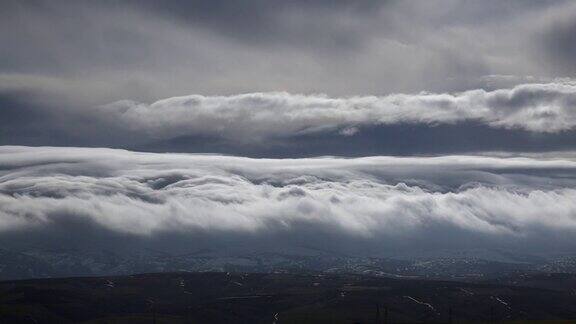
x=533 y=107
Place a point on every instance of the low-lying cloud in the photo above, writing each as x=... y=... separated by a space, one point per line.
x=542 y=108
x=377 y=202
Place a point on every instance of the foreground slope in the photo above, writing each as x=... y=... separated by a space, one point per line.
x=281 y=298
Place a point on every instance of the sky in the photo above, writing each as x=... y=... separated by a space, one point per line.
x=351 y=125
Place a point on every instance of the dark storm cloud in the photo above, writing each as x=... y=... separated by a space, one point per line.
x=60 y=193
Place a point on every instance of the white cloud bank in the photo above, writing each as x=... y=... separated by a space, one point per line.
x=377 y=200
x=548 y=108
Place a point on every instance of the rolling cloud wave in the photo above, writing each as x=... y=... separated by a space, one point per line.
x=379 y=201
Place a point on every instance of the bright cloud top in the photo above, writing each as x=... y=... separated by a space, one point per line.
x=546 y=108
x=374 y=199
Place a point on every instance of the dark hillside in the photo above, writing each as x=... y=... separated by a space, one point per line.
x=277 y=298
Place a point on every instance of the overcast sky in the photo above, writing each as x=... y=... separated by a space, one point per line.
x=460 y=103
x=103 y=51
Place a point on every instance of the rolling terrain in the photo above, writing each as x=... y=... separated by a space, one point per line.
x=463 y=265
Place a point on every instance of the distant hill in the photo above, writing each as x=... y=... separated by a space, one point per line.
x=459 y=265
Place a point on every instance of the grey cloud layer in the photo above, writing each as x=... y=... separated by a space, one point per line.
x=545 y=108
x=378 y=200
x=148 y=49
